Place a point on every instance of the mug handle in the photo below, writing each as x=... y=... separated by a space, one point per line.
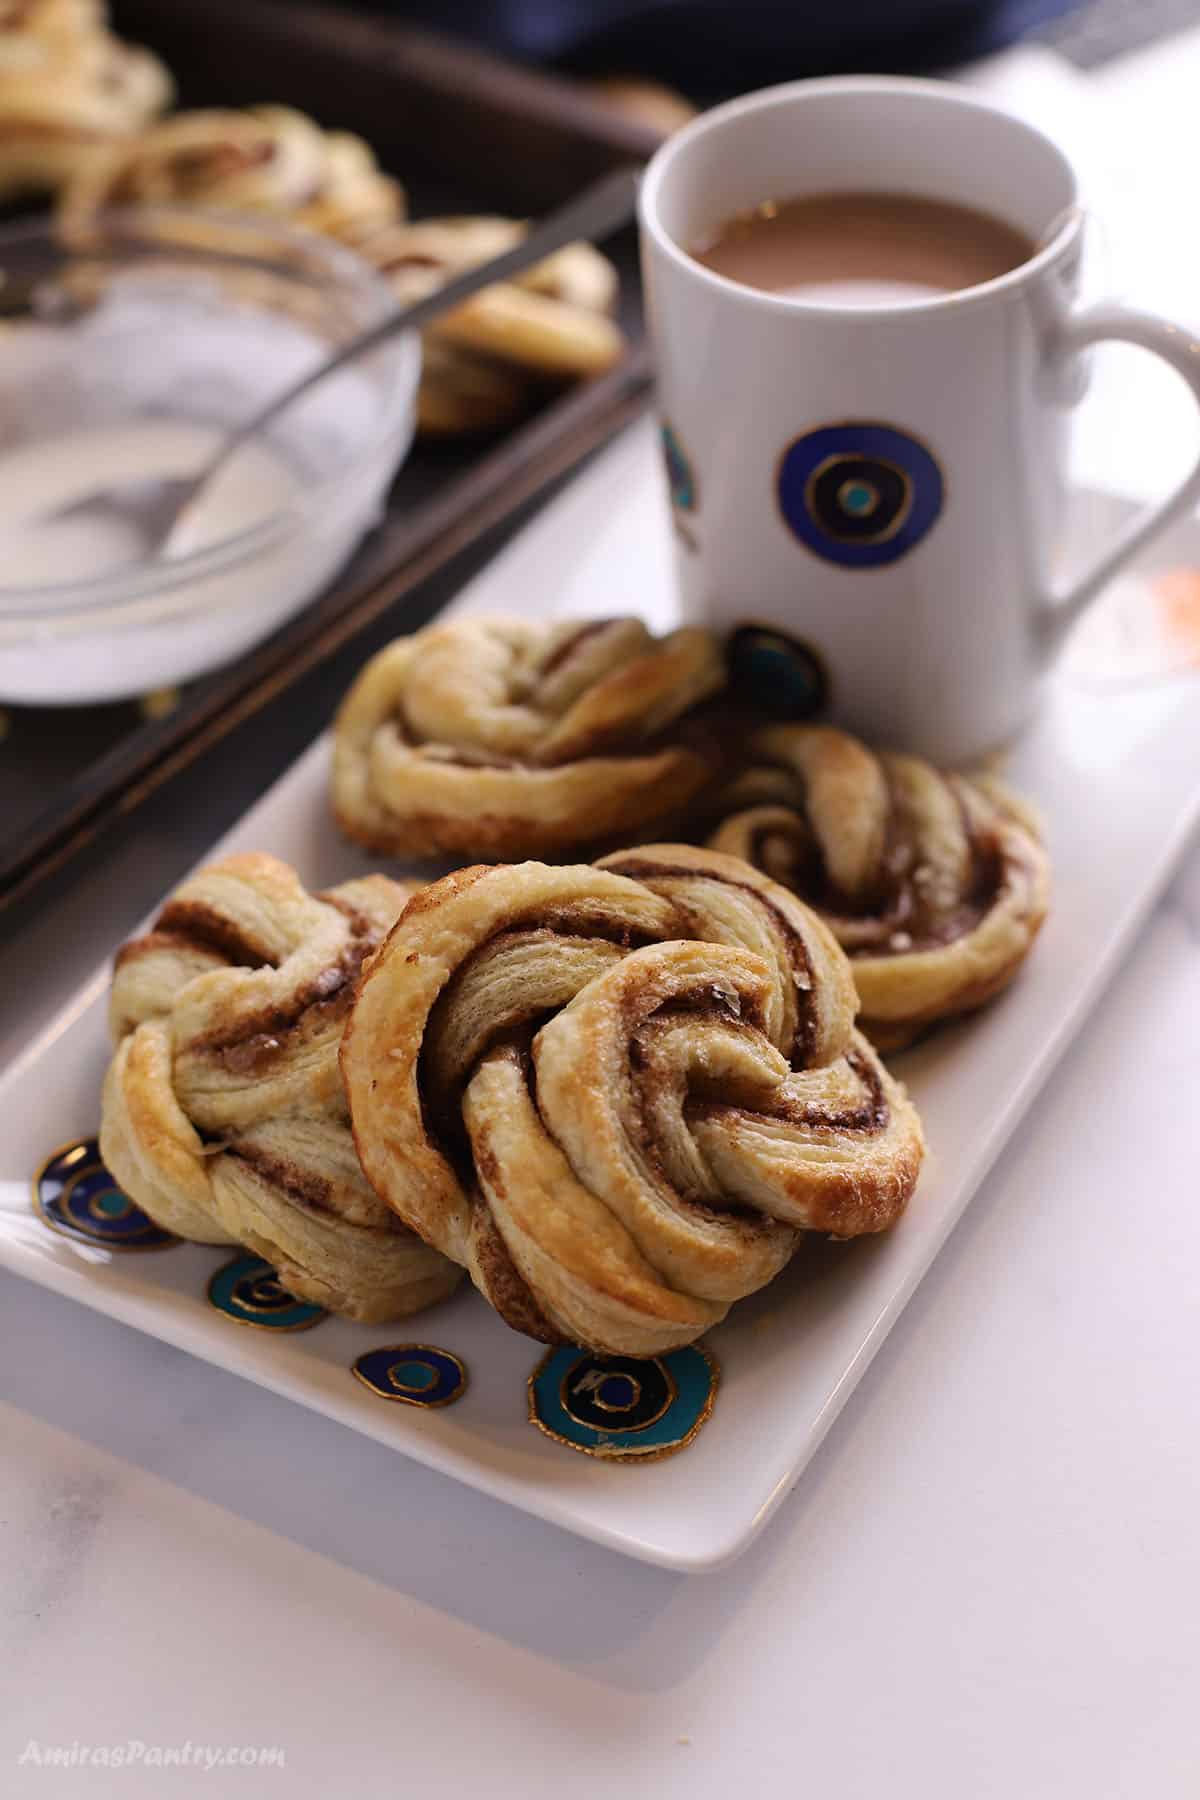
x=1179 y=348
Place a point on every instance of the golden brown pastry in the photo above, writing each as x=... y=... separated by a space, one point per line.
x=49 y=18
x=68 y=91
x=268 y=159
x=619 y=1095
x=461 y=393
x=423 y=253
x=535 y=332
x=224 y=1115
x=551 y=321
x=649 y=103
x=497 y=737
x=934 y=884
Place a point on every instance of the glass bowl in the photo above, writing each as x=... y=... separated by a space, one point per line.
x=128 y=353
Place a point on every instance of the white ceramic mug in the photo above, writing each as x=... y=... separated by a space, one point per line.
x=931 y=623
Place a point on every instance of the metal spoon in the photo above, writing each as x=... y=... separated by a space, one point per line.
x=157 y=506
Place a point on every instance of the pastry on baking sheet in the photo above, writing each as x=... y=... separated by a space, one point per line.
x=935 y=884
x=621 y=1094
x=421 y=254
x=649 y=103
x=68 y=91
x=267 y=159
x=224 y=1116
x=550 y=323
x=498 y=737
x=461 y=394
x=47 y=18
x=547 y=337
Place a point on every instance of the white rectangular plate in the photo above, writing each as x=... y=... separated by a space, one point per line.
x=1114 y=770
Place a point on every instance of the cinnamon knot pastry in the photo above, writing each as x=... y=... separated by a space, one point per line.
x=497 y=737
x=268 y=159
x=49 y=18
x=483 y=362
x=935 y=885
x=425 y=253
x=460 y=394
x=68 y=91
x=619 y=1095
x=223 y=1112
x=648 y=103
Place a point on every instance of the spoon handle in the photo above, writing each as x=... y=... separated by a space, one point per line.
x=602 y=208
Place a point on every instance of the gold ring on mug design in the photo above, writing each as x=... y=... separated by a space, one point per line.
x=840 y=459
x=847 y=456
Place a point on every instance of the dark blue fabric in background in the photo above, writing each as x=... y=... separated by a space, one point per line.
x=713 y=47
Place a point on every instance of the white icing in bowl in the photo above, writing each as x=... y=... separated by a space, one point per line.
x=178 y=350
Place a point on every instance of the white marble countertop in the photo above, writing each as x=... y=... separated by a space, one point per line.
x=985 y=1585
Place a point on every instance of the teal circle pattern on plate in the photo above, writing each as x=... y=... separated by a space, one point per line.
x=249 y=1291
x=415 y=1374
x=623 y=1408
x=76 y=1196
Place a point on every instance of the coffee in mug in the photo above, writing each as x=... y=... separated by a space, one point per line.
x=868 y=498
x=863 y=249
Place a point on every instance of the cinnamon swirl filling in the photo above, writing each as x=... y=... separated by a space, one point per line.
x=620 y=1094
x=223 y=1111
x=934 y=884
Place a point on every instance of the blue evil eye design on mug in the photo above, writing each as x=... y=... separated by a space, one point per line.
x=416 y=1374
x=249 y=1291
x=777 y=674
x=681 y=479
x=74 y=1194
x=859 y=495
x=623 y=1408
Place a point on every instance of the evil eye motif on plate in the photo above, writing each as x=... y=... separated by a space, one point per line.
x=417 y=1374
x=772 y=672
x=248 y=1290
x=859 y=495
x=680 y=477
x=75 y=1194
x=623 y=1408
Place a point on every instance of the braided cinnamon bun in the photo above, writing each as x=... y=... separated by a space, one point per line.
x=935 y=885
x=268 y=159
x=461 y=394
x=550 y=321
x=425 y=252
x=68 y=90
x=649 y=103
x=49 y=18
x=620 y=1094
x=223 y=1112
x=499 y=737
x=353 y=195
